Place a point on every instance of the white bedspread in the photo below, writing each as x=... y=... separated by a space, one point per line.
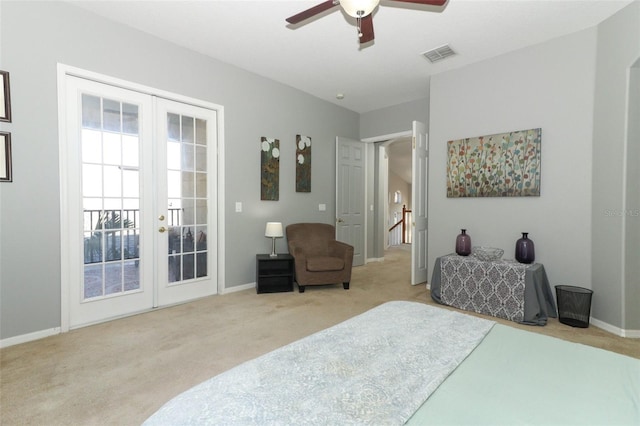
x=376 y=368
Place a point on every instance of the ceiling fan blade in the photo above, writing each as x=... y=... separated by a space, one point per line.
x=427 y=2
x=366 y=29
x=326 y=5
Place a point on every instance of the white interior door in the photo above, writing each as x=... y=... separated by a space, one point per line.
x=138 y=210
x=350 y=195
x=420 y=156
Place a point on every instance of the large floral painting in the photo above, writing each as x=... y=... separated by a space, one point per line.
x=303 y=163
x=500 y=165
x=269 y=169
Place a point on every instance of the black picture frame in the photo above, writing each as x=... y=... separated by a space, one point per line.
x=5 y=157
x=5 y=97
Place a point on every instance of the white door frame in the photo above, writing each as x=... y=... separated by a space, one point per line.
x=65 y=227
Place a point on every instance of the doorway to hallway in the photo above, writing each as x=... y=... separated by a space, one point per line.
x=387 y=199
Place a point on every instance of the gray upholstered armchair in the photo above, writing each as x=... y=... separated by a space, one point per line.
x=318 y=257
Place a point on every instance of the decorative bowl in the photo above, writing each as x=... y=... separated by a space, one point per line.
x=487 y=253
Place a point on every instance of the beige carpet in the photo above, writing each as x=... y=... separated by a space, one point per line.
x=120 y=372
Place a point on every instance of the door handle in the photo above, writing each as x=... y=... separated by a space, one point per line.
x=339 y=220
x=162 y=229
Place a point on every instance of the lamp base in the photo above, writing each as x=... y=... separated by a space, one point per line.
x=273 y=248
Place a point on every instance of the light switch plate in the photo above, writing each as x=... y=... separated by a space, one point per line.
x=238 y=207
x=322 y=207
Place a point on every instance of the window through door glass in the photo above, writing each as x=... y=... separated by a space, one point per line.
x=187 y=197
x=110 y=146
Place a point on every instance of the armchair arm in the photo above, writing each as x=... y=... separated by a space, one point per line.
x=345 y=251
x=299 y=262
x=296 y=251
x=340 y=249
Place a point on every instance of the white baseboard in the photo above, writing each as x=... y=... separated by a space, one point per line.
x=239 y=288
x=29 y=337
x=633 y=334
x=374 y=259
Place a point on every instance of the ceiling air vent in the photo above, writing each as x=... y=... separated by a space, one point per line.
x=439 y=53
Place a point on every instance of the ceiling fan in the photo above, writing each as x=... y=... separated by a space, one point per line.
x=360 y=9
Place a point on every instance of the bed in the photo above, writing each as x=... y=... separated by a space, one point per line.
x=408 y=362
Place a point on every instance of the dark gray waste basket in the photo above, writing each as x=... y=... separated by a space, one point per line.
x=574 y=305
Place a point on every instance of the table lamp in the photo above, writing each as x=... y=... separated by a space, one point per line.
x=274 y=230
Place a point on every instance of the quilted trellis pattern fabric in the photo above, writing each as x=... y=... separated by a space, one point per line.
x=374 y=369
x=491 y=288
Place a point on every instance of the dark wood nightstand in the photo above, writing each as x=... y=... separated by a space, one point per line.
x=274 y=274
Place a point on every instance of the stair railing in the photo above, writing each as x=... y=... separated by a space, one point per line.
x=398 y=232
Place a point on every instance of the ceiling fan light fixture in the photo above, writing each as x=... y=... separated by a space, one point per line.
x=365 y=7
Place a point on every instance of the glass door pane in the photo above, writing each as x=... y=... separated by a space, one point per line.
x=110 y=146
x=187 y=197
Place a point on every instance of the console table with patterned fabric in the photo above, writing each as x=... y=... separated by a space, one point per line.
x=502 y=288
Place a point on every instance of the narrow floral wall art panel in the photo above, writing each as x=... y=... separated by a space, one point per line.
x=303 y=163
x=500 y=165
x=270 y=169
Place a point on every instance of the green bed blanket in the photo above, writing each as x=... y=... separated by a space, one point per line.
x=515 y=377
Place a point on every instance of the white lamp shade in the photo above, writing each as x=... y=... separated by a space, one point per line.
x=274 y=230
x=351 y=7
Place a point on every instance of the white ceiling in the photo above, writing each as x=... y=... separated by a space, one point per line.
x=323 y=58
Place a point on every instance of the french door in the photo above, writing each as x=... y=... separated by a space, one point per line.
x=140 y=201
x=186 y=217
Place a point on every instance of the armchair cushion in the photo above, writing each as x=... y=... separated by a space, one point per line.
x=325 y=263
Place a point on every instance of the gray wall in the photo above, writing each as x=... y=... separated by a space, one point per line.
x=632 y=243
x=394 y=119
x=396 y=183
x=34 y=37
x=616 y=233
x=548 y=85
x=585 y=223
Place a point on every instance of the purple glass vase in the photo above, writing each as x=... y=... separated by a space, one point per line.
x=525 y=252
x=463 y=243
